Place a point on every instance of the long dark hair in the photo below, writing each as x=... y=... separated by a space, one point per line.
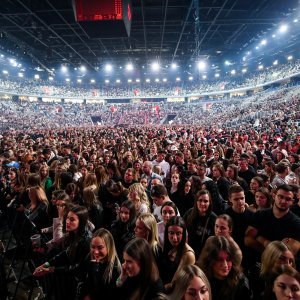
x=175 y=221
x=74 y=238
x=195 y=212
x=140 y=250
x=82 y=213
x=209 y=256
x=132 y=212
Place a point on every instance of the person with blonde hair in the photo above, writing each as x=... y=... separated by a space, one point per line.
x=276 y=254
x=146 y=228
x=101 y=175
x=90 y=182
x=103 y=269
x=137 y=194
x=190 y=282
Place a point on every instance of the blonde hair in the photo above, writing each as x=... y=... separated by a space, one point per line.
x=183 y=279
x=141 y=195
x=90 y=180
x=268 y=258
x=112 y=257
x=39 y=194
x=151 y=225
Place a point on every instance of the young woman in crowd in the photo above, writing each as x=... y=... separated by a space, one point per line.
x=74 y=193
x=104 y=268
x=286 y=284
x=111 y=195
x=139 y=279
x=275 y=255
x=220 y=262
x=91 y=202
x=37 y=209
x=223 y=184
x=186 y=198
x=90 y=182
x=101 y=175
x=255 y=183
x=45 y=178
x=263 y=200
x=12 y=187
x=176 y=252
x=200 y=221
x=233 y=178
x=137 y=166
x=146 y=228
x=77 y=248
x=168 y=210
x=137 y=194
x=122 y=229
x=223 y=227
x=189 y=283
x=175 y=188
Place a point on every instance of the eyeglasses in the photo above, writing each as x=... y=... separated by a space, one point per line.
x=281 y=197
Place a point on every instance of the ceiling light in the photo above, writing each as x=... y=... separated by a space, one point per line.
x=129 y=67
x=283 y=28
x=108 y=68
x=155 y=66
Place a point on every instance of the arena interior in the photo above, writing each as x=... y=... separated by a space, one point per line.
x=149 y=149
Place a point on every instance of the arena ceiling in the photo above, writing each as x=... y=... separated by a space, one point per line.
x=183 y=31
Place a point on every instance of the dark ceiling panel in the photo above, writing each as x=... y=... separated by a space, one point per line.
x=161 y=29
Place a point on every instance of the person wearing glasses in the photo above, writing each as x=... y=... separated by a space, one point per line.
x=276 y=223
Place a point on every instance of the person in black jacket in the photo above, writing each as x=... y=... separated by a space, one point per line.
x=70 y=261
x=222 y=265
x=103 y=269
x=122 y=229
x=139 y=279
x=200 y=221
